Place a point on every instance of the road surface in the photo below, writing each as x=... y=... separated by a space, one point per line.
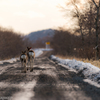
x=48 y=81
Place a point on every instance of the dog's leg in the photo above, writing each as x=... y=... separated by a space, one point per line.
x=25 y=69
x=31 y=65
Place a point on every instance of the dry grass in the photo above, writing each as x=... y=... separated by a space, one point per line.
x=93 y=62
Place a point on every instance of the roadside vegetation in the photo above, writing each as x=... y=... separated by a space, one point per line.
x=40 y=43
x=83 y=41
x=11 y=43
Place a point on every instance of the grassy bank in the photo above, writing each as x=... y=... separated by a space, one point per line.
x=93 y=62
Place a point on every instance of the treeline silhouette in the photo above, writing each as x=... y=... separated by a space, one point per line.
x=40 y=43
x=11 y=43
x=87 y=43
x=67 y=44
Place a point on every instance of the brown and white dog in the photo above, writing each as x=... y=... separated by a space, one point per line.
x=31 y=57
x=24 y=60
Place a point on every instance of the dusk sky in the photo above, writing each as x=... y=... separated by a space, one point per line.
x=26 y=16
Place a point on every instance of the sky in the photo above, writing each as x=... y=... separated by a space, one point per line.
x=27 y=16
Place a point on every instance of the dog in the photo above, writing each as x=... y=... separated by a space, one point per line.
x=24 y=60
x=31 y=57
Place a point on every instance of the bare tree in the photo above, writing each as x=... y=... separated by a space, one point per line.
x=88 y=22
x=97 y=5
x=12 y=43
x=77 y=12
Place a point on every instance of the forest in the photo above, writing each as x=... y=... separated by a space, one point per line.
x=84 y=40
x=11 y=43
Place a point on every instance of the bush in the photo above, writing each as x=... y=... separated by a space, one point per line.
x=65 y=43
x=11 y=44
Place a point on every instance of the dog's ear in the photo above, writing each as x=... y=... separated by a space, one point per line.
x=28 y=48
x=22 y=51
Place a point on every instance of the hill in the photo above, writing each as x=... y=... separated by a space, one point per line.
x=34 y=36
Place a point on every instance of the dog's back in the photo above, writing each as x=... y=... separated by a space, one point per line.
x=30 y=54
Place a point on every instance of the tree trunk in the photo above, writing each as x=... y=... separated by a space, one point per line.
x=90 y=27
x=97 y=49
x=80 y=24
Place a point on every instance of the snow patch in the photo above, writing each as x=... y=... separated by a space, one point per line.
x=12 y=60
x=38 y=52
x=87 y=70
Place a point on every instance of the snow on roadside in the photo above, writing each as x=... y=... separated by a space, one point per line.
x=86 y=70
x=12 y=60
x=38 y=52
x=43 y=49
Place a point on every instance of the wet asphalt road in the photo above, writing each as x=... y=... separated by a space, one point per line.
x=48 y=81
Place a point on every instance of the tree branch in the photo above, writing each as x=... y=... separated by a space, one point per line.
x=94 y=3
